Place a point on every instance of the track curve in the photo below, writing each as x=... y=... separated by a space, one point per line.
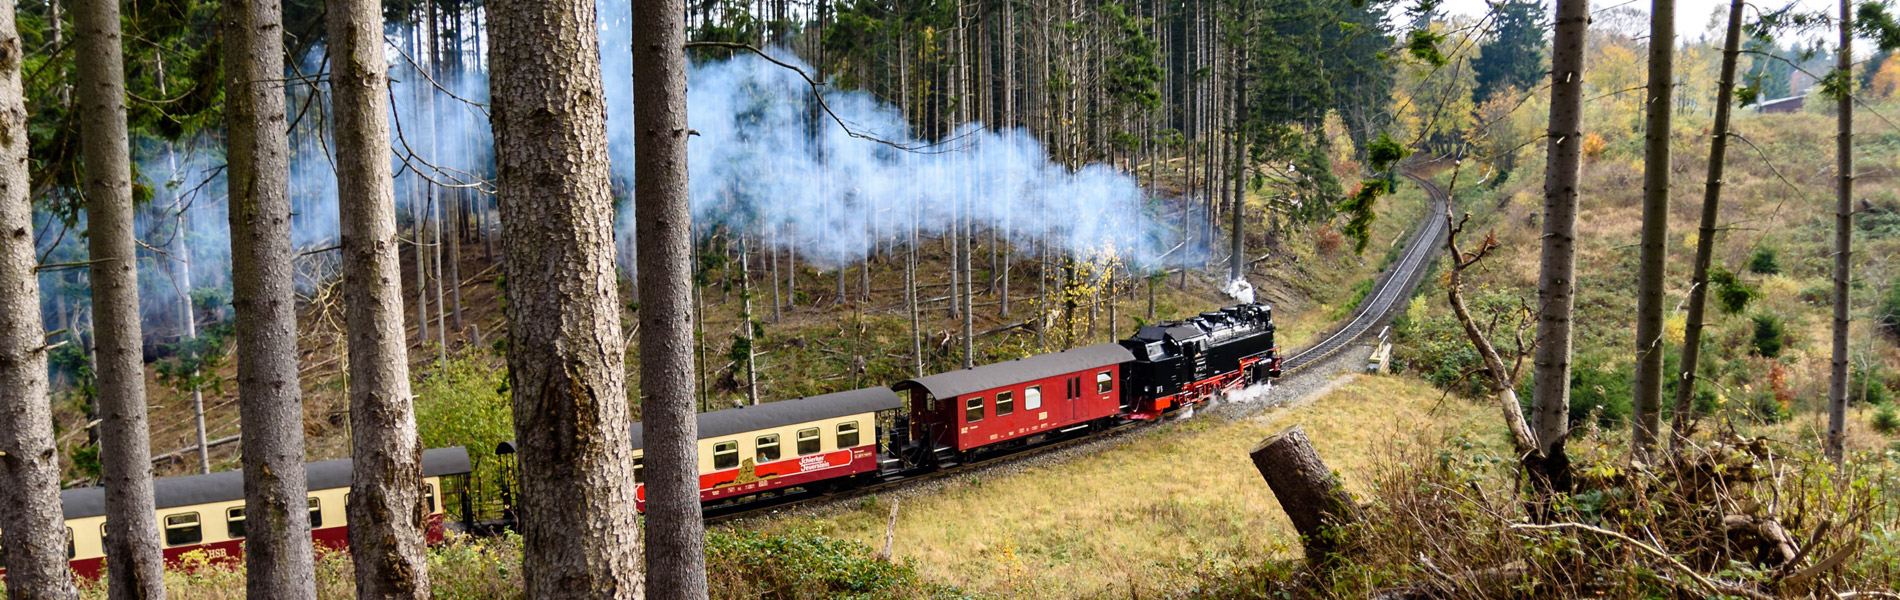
x=1395 y=284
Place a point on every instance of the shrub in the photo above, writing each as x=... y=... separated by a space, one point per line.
x=801 y=564
x=1886 y=420
x=1731 y=293
x=1870 y=385
x=1770 y=336
x=1818 y=294
x=465 y=402
x=1765 y=261
x=1598 y=384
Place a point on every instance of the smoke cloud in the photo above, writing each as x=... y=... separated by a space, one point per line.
x=756 y=166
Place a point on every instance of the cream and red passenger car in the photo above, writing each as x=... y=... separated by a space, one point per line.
x=206 y=512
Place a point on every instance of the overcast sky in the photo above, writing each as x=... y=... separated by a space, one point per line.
x=1693 y=17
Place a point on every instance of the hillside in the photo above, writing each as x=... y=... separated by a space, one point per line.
x=1776 y=238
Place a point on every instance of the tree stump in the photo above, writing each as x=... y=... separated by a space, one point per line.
x=1321 y=510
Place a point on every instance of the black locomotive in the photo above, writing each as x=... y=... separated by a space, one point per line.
x=1186 y=362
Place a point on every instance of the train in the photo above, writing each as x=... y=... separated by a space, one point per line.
x=791 y=448
x=833 y=442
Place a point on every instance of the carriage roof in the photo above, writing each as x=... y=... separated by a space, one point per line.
x=1021 y=370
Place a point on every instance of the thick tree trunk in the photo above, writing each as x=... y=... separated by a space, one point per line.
x=676 y=557
x=1321 y=510
x=1705 y=234
x=385 y=507
x=566 y=359
x=1843 y=242
x=134 y=563
x=34 y=547
x=278 y=557
x=1557 y=272
x=1649 y=287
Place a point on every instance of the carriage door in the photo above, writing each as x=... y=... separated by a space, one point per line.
x=1073 y=394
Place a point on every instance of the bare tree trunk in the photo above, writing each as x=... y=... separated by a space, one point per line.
x=1843 y=242
x=746 y=323
x=1503 y=380
x=1557 y=273
x=910 y=299
x=1705 y=235
x=385 y=507
x=1237 y=260
x=1649 y=288
x=418 y=209
x=778 y=301
x=135 y=563
x=676 y=556
x=277 y=554
x=34 y=547
x=566 y=360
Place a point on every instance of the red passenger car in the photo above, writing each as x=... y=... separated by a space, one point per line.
x=1017 y=403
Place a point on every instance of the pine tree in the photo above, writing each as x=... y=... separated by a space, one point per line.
x=1513 y=58
x=566 y=358
x=1550 y=409
x=134 y=559
x=676 y=555
x=1658 y=107
x=1705 y=234
x=34 y=547
x=278 y=558
x=386 y=507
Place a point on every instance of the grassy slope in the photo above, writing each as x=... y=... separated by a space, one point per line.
x=1157 y=513
x=1780 y=198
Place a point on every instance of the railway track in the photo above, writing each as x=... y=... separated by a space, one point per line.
x=1394 y=285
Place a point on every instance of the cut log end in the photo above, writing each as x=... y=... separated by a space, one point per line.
x=1321 y=510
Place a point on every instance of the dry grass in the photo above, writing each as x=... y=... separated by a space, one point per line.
x=1155 y=514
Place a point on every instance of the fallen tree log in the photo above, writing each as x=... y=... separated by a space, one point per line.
x=1321 y=510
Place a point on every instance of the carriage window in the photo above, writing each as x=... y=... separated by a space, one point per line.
x=182 y=529
x=767 y=448
x=234 y=522
x=1032 y=398
x=316 y=513
x=428 y=496
x=1005 y=403
x=807 y=441
x=72 y=550
x=725 y=455
x=1103 y=383
x=639 y=471
x=847 y=434
x=973 y=410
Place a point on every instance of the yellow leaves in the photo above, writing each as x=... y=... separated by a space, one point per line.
x=1886 y=80
x=1673 y=329
x=1593 y=145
